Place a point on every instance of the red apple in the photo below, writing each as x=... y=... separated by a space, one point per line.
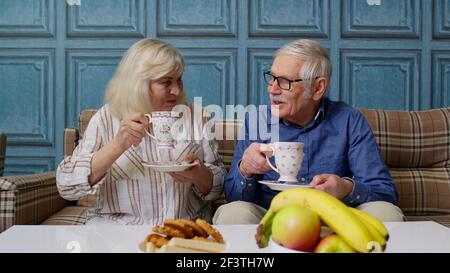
x=333 y=244
x=296 y=227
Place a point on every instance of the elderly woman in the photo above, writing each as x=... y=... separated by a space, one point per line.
x=108 y=159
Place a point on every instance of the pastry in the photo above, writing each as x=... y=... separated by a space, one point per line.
x=171 y=232
x=210 y=230
x=198 y=231
x=157 y=240
x=178 y=224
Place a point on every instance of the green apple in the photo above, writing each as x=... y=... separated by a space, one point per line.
x=296 y=227
x=333 y=244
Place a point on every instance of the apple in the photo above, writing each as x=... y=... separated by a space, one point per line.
x=333 y=244
x=296 y=227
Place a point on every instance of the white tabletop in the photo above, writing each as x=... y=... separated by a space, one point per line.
x=404 y=237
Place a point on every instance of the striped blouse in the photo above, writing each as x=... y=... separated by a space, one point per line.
x=130 y=193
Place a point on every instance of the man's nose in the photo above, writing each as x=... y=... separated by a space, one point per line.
x=274 y=88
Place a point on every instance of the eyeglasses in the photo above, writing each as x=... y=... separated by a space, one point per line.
x=283 y=83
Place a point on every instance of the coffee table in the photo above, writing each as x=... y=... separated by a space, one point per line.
x=405 y=237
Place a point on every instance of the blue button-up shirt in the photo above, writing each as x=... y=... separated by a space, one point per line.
x=337 y=141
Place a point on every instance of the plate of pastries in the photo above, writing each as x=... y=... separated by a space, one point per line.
x=183 y=236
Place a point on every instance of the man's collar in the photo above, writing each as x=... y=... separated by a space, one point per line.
x=321 y=112
x=317 y=119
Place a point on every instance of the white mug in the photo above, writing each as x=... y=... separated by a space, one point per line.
x=162 y=122
x=288 y=158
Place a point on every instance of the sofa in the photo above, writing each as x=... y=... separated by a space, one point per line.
x=2 y=152
x=415 y=146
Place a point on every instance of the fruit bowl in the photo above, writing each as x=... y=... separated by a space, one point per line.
x=277 y=248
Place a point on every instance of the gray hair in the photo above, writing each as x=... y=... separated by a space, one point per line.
x=316 y=58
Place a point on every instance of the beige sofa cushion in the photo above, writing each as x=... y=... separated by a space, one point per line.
x=72 y=215
x=423 y=191
x=416 y=147
x=227 y=132
x=415 y=139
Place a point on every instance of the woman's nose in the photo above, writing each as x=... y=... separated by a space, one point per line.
x=176 y=89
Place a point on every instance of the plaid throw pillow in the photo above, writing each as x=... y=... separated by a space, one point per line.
x=412 y=139
x=416 y=147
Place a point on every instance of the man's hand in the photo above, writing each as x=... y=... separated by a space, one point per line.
x=332 y=184
x=254 y=161
x=200 y=175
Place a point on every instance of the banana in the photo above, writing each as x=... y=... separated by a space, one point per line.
x=264 y=230
x=331 y=211
x=376 y=223
x=377 y=236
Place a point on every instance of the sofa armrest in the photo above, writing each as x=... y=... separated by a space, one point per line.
x=71 y=137
x=28 y=199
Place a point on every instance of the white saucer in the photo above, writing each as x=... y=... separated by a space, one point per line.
x=281 y=186
x=171 y=166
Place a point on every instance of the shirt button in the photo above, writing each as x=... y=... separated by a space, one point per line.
x=249 y=185
x=357 y=197
x=303 y=179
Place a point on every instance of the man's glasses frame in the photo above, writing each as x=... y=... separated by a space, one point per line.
x=269 y=78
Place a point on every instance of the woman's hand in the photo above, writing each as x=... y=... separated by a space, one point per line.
x=132 y=130
x=200 y=175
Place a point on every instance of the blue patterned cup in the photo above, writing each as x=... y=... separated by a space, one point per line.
x=288 y=159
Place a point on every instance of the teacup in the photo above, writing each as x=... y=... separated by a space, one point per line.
x=288 y=159
x=162 y=122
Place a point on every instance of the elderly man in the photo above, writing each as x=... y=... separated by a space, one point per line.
x=341 y=156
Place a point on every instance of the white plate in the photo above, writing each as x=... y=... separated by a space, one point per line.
x=173 y=166
x=281 y=186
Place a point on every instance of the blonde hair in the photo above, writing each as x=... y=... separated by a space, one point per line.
x=128 y=91
x=316 y=58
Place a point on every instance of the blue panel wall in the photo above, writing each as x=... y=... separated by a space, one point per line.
x=107 y=18
x=27 y=101
x=27 y=18
x=387 y=76
x=211 y=74
x=289 y=18
x=57 y=56
x=197 y=18
x=384 y=19
x=87 y=74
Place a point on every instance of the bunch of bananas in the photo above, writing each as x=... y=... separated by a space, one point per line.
x=360 y=230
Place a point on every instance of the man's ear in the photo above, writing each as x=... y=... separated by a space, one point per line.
x=318 y=88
